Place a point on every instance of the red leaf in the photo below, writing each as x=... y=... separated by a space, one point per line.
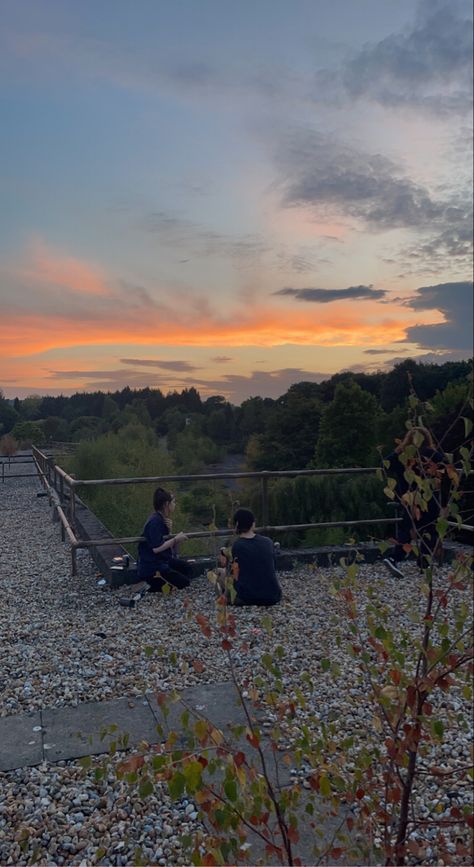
x=395 y=676
x=239 y=759
x=350 y=823
x=161 y=698
x=293 y=835
x=253 y=740
x=336 y=852
x=198 y=666
x=226 y=644
x=360 y=793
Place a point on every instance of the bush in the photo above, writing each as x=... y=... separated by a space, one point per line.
x=8 y=445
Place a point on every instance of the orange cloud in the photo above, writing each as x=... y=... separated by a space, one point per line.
x=48 y=268
x=29 y=334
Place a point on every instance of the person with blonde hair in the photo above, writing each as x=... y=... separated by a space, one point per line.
x=417 y=456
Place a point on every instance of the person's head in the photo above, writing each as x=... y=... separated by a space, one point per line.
x=244 y=520
x=413 y=436
x=163 y=501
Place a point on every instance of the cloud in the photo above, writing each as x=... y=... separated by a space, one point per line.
x=221 y=359
x=200 y=241
x=327 y=175
x=379 y=351
x=427 y=66
x=178 y=366
x=326 y=296
x=336 y=181
x=455 y=302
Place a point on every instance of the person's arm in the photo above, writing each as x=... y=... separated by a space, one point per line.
x=170 y=543
x=156 y=533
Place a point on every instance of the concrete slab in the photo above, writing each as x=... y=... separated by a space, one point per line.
x=220 y=704
x=72 y=732
x=21 y=742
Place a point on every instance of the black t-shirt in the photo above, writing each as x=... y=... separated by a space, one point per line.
x=257 y=582
x=149 y=562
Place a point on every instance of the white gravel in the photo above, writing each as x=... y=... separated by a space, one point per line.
x=66 y=641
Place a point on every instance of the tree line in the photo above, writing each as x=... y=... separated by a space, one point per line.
x=345 y=421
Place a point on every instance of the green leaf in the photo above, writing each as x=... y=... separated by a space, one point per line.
x=325 y=664
x=324 y=786
x=192 y=773
x=230 y=788
x=146 y=788
x=437 y=728
x=176 y=785
x=148 y=650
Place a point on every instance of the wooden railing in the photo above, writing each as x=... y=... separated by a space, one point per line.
x=62 y=488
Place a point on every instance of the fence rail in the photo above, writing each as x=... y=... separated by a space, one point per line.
x=56 y=480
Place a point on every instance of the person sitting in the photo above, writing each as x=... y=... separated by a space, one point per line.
x=253 y=565
x=157 y=564
x=417 y=526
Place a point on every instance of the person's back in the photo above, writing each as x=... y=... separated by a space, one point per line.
x=253 y=555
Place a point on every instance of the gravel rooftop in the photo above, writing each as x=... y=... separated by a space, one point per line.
x=66 y=641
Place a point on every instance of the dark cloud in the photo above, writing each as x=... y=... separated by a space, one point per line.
x=183 y=366
x=335 y=180
x=327 y=175
x=378 y=351
x=221 y=359
x=455 y=302
x=325 y=296
x=427 y=66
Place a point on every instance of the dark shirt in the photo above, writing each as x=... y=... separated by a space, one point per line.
x=257 y=582
x=154 y=531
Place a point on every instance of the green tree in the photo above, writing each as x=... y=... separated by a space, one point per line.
x=348 y=429
x=8 y=415
x=28 y=433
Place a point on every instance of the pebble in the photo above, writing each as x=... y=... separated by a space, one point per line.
x=97 y=650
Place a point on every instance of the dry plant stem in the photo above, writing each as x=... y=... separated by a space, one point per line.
x=276 y=805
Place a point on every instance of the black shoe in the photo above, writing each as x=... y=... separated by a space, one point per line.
x=392 y=568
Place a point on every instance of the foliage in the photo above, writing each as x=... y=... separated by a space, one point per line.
x=28 y=433
x=366 y=787
x=8 y=415
x=348 y=430
x=8 y=445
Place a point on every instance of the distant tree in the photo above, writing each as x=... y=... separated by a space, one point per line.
x=348 y=429
x=8 y=415
x=291 y=429
x=85 y=427
x=28 y=433
x=55 y=428
x=30 y=407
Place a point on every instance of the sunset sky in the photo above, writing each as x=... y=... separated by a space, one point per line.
x=234 y=196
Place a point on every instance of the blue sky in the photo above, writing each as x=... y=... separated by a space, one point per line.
x=232 y=196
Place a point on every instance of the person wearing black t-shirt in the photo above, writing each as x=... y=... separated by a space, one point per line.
x=157 y=564
x=253 y=564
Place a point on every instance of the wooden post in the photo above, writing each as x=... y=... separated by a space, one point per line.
x=72 y=508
